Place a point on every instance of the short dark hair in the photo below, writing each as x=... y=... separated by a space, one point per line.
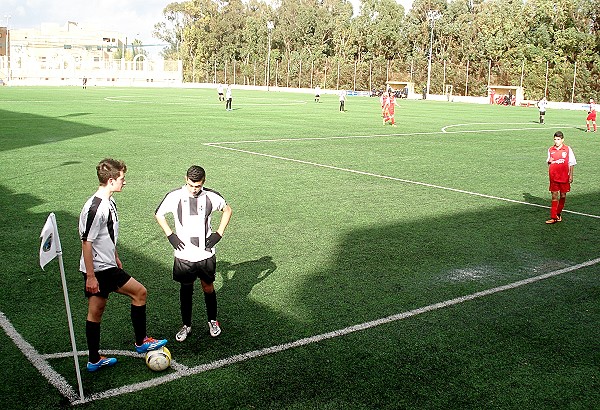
x=109 y=168
x=559 y=134
x=196 y=173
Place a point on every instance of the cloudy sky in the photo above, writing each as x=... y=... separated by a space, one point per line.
x=134 y=18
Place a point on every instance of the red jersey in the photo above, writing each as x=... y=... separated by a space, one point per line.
x=559 y=160
x=591 y=112
x=392 y=104
x=383 y=100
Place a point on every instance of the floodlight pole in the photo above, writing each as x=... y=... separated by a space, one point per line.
x=270 y=26
x=432 y=16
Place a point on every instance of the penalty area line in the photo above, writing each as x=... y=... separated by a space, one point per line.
x=444 y=130
x=329 y=335
x=406 y=181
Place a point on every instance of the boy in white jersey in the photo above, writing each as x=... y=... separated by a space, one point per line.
x=101 y=267
x=194 y=242
x=542 y=104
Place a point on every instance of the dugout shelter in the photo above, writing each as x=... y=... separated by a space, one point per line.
x=405 y=87
x=505 y=94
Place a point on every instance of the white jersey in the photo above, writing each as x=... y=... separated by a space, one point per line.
x=99 y=224
x=192 y=220
x=542 y=104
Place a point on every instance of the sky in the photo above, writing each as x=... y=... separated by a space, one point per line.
x=134 y=18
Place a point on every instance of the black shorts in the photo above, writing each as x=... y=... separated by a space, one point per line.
x=109 y=280
x=187 y=272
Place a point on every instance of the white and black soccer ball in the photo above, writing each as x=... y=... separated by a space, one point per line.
x=159 y=359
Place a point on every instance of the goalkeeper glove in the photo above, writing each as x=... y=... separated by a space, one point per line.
x=212 y=240
x=176 y=242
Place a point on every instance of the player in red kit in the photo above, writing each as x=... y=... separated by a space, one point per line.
x=591 y=116
x=384 y=100
x=391 y=108
x=560 y=169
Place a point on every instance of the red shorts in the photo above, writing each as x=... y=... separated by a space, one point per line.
x=591 y=116
x=559 y=186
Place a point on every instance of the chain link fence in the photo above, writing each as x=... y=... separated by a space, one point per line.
x=559 y=80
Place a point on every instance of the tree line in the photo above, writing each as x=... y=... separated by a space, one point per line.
x=548 y=46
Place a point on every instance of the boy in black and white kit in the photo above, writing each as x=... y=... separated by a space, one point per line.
x=102 y=269
x=194 y=242
x=542 y=104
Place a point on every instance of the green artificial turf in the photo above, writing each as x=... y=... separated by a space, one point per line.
x=337 y=221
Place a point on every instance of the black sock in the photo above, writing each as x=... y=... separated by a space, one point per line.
x=186 y=291
x=138 y=319
x=92 y=334
x=211 y=305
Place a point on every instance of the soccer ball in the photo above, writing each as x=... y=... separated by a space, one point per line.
x=159 y=359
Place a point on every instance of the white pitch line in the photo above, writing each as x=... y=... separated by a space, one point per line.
x=406 y=134
x=325 y=336
x=55 y=378
x=406 y=181
x=126 y=99
x=444 y=129
x=130 y=353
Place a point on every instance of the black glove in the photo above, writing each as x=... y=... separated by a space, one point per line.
x=176 y=242
x=212 y=240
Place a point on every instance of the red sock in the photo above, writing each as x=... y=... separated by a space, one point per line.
x=594 y=127
x=561 y=205
x=553 y=209
x=588 y=126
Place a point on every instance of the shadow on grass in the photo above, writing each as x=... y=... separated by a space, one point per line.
x=527 y=197
x=19 y=130
x=376 y=271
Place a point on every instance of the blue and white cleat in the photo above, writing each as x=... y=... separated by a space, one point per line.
x=103 y=362
x=150 y=344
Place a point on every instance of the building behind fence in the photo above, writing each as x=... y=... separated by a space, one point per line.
x=65 y=55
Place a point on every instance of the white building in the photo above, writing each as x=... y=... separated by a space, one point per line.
x=64 y=55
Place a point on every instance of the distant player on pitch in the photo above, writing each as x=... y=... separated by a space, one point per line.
x=561 y=161
x=194 y=242
x=542 y=104
x=391 y=109
x=228 y=98
x=384 y=101
x=591 y=117
x=342 y=95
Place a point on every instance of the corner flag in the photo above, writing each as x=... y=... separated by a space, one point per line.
x=49 y=249
x=50 y=245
